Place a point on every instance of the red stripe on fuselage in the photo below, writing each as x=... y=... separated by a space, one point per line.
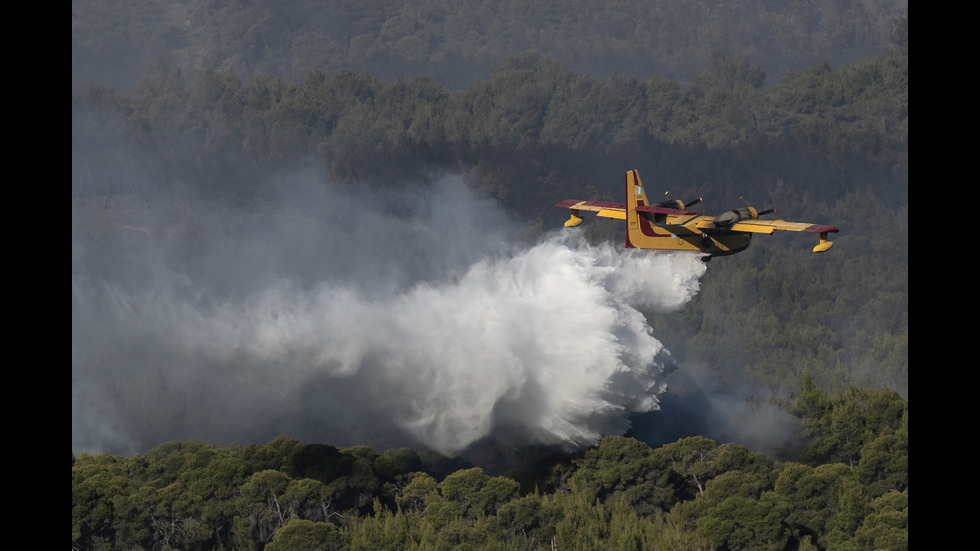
x=645 y=226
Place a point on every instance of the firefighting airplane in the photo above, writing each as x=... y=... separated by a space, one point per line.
x=669 y=226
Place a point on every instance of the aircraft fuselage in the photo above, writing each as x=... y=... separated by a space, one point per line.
x=647 y=231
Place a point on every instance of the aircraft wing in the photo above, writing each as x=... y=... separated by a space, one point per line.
x=771 y=226
x=609 y=210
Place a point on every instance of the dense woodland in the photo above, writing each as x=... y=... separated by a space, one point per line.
x=826 y=333
x=827 y=145
x=456 y=41
x=847 y=491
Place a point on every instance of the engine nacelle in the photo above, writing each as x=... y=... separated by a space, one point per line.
x=736 y=215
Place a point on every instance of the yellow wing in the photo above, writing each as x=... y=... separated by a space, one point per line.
x=771 y=226
x=606 y=210
x=609 y=210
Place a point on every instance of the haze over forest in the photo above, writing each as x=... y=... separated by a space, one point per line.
x=457 y=41
x=334 y=222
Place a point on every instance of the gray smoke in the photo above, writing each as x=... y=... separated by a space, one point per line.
x=384 y=317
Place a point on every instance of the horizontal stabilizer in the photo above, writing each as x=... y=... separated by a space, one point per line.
x=610 y=208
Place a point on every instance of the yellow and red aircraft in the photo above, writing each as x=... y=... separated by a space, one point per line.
x=669 y=226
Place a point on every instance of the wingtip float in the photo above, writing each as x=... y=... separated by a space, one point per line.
x=669 y=226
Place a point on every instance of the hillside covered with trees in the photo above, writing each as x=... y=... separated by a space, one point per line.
x=527 y=108
x=458 y=41
x=825 y=144
x=848 y=491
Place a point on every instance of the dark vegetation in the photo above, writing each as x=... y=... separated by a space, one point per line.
x=848 y=491
x=823 y=144
x=457 y=41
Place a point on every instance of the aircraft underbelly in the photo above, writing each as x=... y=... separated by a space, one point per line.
x=727 y=243
x=713 y=244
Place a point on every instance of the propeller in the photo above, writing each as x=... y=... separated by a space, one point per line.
x=758 y=213
x=679 y=205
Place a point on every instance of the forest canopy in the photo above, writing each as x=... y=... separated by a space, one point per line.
x=456 y=42
x=824 y=144
x=693 y=493
x=526 y=106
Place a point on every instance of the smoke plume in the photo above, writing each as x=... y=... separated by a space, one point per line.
x=381 y=317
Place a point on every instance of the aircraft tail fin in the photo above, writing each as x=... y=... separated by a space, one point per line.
x=635 y=196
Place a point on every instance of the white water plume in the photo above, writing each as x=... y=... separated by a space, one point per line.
x=409 y=337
